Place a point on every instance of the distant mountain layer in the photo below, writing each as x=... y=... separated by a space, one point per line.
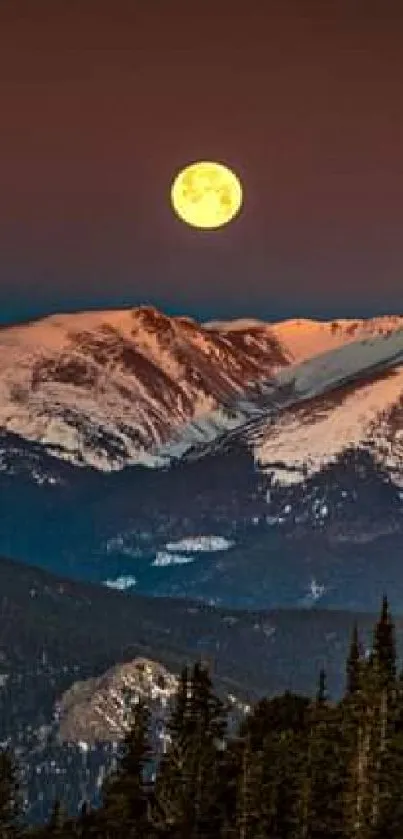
x=52 y=621
x=108 y=389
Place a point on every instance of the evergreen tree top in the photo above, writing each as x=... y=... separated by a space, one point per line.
x=384 y=645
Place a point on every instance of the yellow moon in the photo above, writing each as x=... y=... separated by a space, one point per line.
x=206 y=194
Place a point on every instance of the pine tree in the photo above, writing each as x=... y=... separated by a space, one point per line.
x=353 y=664
x=188 y=794
x=57 y=818
x=356 y=739
x=168 y=809
x=249 y=787
x=389 y=823
x=384 y=646
x=9 y=797
x=384 y=709
x=370 y=711
x=125 y=795
x=360 y=730
x=272 y=785
x=87 y=823
x=283 y=773
x=323 y=771
x=321 y=693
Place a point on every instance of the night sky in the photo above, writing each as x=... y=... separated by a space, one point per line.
x=102 y=102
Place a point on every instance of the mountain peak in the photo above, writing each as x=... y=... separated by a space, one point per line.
x=96 y=709
x=148 y=314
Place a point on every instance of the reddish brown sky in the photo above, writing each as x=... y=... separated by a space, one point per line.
x=101 y=103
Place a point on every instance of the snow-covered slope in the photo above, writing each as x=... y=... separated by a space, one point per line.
x=104 y=388
x=305 y=338
x=351 y=398
x=308 y=436
x=114 y=388
x=278 y=413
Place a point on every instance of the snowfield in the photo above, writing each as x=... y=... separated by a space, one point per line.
x=121 y=583
x=163 y=559
x=202 y=544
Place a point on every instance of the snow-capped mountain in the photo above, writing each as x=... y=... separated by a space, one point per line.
x=305 y=465
x=104 y=388
x=313 y=474
x=343 y=399
x=109 y=388
x=280 y=489
x=304 y=338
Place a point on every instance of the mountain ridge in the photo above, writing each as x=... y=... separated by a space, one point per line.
x=109 y=388
x=306 y=466
x=360 y=381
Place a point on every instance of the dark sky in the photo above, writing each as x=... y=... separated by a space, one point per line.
x=102 y=102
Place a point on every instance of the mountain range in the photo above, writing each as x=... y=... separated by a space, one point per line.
x=235 y=487
x=108 y=388
x=244 y=463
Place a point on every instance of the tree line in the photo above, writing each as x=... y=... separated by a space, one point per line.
x=296 y=768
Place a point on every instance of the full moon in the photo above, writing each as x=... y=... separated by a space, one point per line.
x=206 y=194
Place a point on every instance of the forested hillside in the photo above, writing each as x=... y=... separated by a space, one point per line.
x=297 y=767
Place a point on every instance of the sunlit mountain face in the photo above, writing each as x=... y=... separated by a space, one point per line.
x=240 y=463
x=108 y=388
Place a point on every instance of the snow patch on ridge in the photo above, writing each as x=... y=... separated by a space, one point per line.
x=203 y=544
x=121 y=583
x=164 y=558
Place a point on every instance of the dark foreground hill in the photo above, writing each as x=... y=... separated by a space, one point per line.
x=54 y=632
